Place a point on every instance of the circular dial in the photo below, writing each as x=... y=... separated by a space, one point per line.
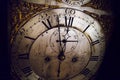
x=58 y=44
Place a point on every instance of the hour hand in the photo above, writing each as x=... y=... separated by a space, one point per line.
x=59 y=33
x=65 y=41
x=61 y=56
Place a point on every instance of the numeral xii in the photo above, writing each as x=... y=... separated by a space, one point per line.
x=69 y=21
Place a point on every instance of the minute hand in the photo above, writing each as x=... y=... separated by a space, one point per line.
x=59 y=33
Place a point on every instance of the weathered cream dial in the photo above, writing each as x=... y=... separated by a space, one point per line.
x=58 y=44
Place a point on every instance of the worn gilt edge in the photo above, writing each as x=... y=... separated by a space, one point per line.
x=19 y=16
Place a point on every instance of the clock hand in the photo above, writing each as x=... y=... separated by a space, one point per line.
x=64 y=41
x=61 y=52
x=59 y=34
x=58 y=75
x=64 y=48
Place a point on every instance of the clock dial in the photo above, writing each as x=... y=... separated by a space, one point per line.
x=58 y=44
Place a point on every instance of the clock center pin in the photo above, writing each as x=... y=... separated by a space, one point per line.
x=61 y=57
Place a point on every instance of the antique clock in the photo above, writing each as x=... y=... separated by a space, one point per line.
x=57 y=39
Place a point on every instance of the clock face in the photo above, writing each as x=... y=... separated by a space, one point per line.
x=58 y=44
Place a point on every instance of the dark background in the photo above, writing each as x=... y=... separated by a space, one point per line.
x=110 y=68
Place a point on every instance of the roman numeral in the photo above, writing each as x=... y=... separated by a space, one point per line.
x=27 y=70
x=29 y=37
x=85 y=72
x=95 y=42
x=94 y=58
x=87 y=27
x=69 y=22
x=23 y=56
x=49 y=26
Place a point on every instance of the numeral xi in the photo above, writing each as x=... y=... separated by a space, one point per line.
x=49 y=26
x=69 y=22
